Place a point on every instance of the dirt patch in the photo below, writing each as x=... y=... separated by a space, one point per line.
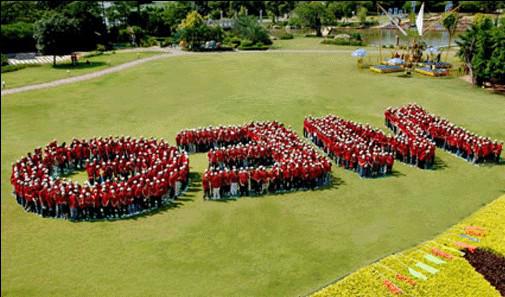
x=490 y=265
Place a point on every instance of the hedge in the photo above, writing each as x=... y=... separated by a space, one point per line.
x=11 y=68
x=457 y=277
x=343 y=41
x=254 y=48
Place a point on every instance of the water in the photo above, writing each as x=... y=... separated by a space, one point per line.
x=373 y=37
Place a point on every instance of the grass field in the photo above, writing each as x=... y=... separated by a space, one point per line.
x=48 y=72
x=282 y=245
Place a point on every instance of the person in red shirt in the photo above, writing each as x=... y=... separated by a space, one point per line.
x=243 y=177
x=215 y=182
x=233 y=177
x=72 y=202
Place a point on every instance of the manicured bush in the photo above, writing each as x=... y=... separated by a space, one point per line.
x=343 y=41
x=11 y=68
x=253 y=47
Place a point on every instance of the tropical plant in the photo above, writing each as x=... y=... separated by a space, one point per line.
x=450 y=23
x=247 y=27
x=481 y=49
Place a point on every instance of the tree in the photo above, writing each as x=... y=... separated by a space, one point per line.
x=496 y=65
x=362 y=13
x=174 y=13
x=195 y=31
x=450 y=23
x=278 y=8
x=247 y=27
x=19 y=11
x=88 y=15
x=310 y=14
x=334 y=10
x=482 y=48
x=56 y=34
x=17 y=37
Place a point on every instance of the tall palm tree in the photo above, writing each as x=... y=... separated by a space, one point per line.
x=467 y=48
x=450 y=23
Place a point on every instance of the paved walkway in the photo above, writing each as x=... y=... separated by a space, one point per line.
x=164 y=53
x=92 y=75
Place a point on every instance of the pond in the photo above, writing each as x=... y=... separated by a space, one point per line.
x=373 y=37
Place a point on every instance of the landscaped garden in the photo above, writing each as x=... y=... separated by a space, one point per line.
x=287 y=244
x=247 y=155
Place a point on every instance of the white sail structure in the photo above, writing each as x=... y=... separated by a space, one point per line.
x=419 y=20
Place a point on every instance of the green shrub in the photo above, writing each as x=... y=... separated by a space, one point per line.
x=232 y=41
x=246 y=46
x=286 y=36
x=5 y=60
x=133 y=35
x=247 y=27
x=149 y=41
x=168 y=41
x=343 y=41
x=247 y=43
x=11 y=68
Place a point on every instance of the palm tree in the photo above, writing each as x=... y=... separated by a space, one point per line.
x=450 y=23
x=467 y=48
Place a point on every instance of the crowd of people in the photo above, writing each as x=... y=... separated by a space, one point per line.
x=260 y=158
x=240 y=155
x=126 y=177
x=203 y=139
x=361 y=148
x=416 y=123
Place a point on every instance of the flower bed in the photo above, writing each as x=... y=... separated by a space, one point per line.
x=416 y=123
x=455 y=276
x=126 y=177
x=254 y=159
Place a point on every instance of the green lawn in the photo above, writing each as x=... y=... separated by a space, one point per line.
x=281 y=245
x=46 y=72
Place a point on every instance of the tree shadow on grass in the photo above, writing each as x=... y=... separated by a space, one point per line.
x=80 y=65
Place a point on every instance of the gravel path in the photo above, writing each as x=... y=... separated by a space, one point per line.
x=164 y=53
x=64 y=81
